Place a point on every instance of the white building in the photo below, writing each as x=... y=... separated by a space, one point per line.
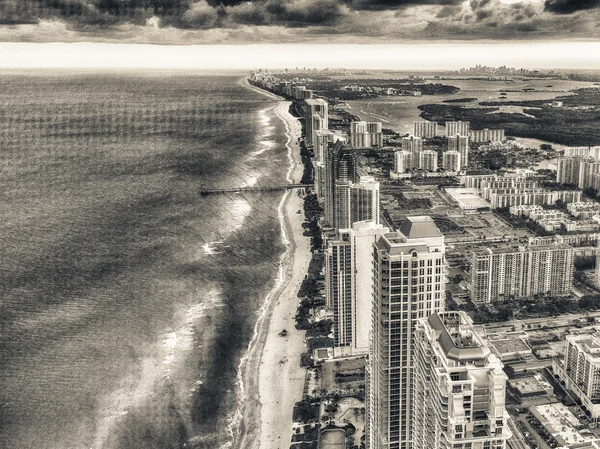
x=355 y=202
x=366 y=134
x=460 y=387
x=402 y=161
x=486 y=135
x=316 y=117
x=414 y=145
x=349 y=286
x=425 y=129
x=580 y=369
x=460 y=128
x=503 y=272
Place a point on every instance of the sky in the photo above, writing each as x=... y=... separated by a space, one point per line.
x=203 y=22
x=281 y=33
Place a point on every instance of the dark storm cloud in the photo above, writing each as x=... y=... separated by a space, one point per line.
x=296 y=20
x=570 y=6
x=378 y=5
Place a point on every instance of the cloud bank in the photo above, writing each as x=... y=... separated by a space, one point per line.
x=235 y=21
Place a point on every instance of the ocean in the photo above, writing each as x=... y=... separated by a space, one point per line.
x=126 y=298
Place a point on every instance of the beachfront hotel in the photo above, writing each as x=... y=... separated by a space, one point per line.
x=460 y=387
x=316 y=117
x=340 y=166
x=409 y=284
x=349 y=286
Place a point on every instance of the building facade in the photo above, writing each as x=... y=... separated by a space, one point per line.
x=460 y=387
x=355 y=202
x=580 y=368
x=508 y=272
x=451 y=161
x=460 y=128
x=409 y=284
x=402 y=161
x=428 y=160
x=316 y=117
x=425 y=129
x=349 y=286
x=414 y=145
x=366 y=134
x=486 y=135
x=460 y=143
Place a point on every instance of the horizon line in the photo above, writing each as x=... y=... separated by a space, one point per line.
x=449 y=55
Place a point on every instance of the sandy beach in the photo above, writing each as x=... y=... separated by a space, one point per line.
x=272 y=378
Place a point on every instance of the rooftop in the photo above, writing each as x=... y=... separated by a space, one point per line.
x=457 y=337
x=419 y=227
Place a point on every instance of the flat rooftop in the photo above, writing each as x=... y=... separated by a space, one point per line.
x=466 y=198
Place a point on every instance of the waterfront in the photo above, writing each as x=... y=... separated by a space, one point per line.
x=399 y=113
x=128 y=298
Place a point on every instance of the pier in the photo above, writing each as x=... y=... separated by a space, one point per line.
x=253 y=189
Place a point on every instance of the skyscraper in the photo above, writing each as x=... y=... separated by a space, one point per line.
x=349 y=286
x=316 y=116
x=355 y=202
x=340 y=165
x=409 y=283
x=460 y=388
x=425 y=129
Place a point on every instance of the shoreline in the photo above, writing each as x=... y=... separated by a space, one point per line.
x=270 y=377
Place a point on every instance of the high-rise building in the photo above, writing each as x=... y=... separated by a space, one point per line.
x=355 y=202
x=593 y=152
x=451 y=161
x=366 y=134
x=323 y=140
x=428 y=160
x=567 y=170
x=461 y=144
x=349 y=286
x=460 y=128
x=402 y=161
x=316 y=117
x=587 y=169
x=486 y=135
x=340 y=165
x=460 y=387
x=514 y=272
x=414 y=145
x=425 y=129
x=580 y=369
x=409 y=283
